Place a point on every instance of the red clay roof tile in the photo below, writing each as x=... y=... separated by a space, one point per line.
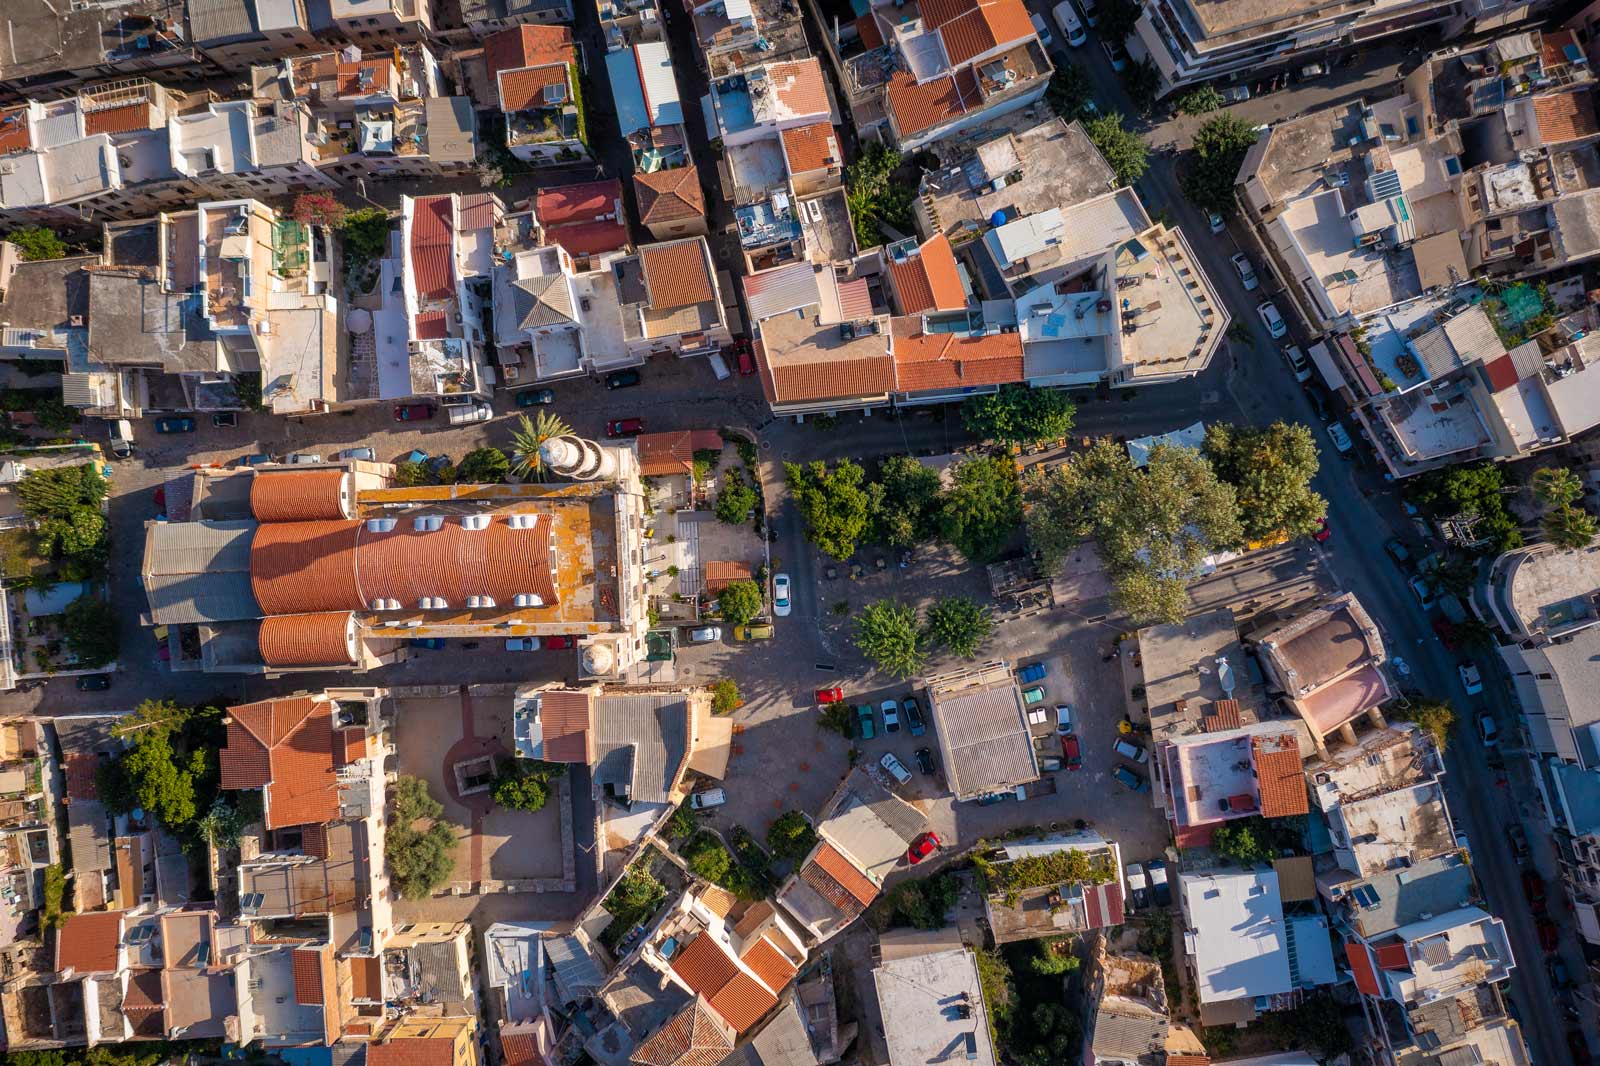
x=1280 y=776
x=844 y=872
x=669 y=195
x=1393 y=957
x=324 y=639
x=813 y=147
x=524 y=90
x=412 y=1051
x=298 y=495
x=676 y=275
x=769 y=964
x=88 y=943
x=433 y=247
x=695 y=1036
x=664 y=454
x=308 y=977
x=565 y=717
x=1565 y=117
x=990 y=25
x=742 y=1001
x=519 y=1049
x=919 y=107
x=526 y=46
x=124 y=119
x=296 y=737
x=704 y=966
x=80 y=771
x=1361 y=966
x=428 y=326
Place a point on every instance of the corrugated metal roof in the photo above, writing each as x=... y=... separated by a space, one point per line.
x=640 y=743
x=627 y=92
x=660 y=85
x=217 y=21
x=785 y=288
x=199 y=572
x=576 y=970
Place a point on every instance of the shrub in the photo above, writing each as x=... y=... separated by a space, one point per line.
x=483 y=466
x=739 y=601
x=420 y=861
x=90 y=626
x=708 y=858
x=736 y=500
x=791 y=836
x=55 y=891
x=410 y=800
x=725 y=696
x=524 y=784
x=36 y=243
x=365 y=233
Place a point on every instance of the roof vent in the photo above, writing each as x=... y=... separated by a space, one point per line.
x=427 y=523
x=522 y=521
x=475 y=521
x=434 y=603
x=526 y=599
x=480 y=601
x=380 y=525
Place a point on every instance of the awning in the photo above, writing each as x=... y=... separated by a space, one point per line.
x=1322 y=359
x=1189 y=437
x=713 y=741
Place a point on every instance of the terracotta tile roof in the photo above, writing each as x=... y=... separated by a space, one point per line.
x=430 y=325
x=1223 y=714
x=806 y=382
x=694 y=1037
x=124 y=119
x=799 y=87
x=871 y=33
x=309 y=567
x=676 y=275
x=583 y=202
x=527 y=46
x=936 y=13
x=14 y=133
x=323 y=639
x=295 y=736
x=1361 y=966
x=669 y=195
x=1502 y=374
x=717 y=900
x=1565 y=117
x=308 y=977
x=754 y=915
x=519 y=1049
x=1552 y=48
x=1193 y=836
x=855 y=299
x=88 y=943
x=475 y=211
x=412 y=1051
x=143 y=992
x=433 y=247
x=849 y=878
x=565 y=717
x=954 y=360
x=297 y=495
x=813 y=147
x=720 y=573
x=1188 y=1060
x=366 y=978
x=524 y=89
x=1280 y=777
x=349 y=745
x=80 y=770
x=991 y=24
x=769 y=964
x=380 y=76
x=704 y=966
x=663 y=454
x=590 y=238
x=919 y=107
x=1393 y=956
x=742 y=1001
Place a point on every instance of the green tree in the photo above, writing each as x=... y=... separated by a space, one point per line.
x=1474 y=491
x=1020 y=415
x=410 y=801
x=55 y=894
x=875 y=198
x=59 y=491
x=530 y=435
x=982 y=508
x=1053 y=1034
x=1070 y=94
x=1270 y=469
x=365 y=232
x=1152 y=527
x=999 y=992
x=521 y=792
x=909 y=506
x=420 y=861
x=1245 y=841
x=90 y=626
x=838 y=505
x=708 y=858
x=791 y=836
x=636 y=890
x=1142 y=81
x=1569 y=528
x=1556 y=486
x=725 y=697
x=1218 y=148
x=1054 y=956
x=36 y=242
x=82 y=535
x=483 y=466
x=1124 y=151
x=408 y=474
x=1199 y=101
x=1435 y=717
x=959 y=624
x=888 y=634
x=736 y=500
x=739 y=601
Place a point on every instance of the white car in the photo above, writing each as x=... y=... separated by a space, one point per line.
x=1071 y=25
x=1116 y=55
x=1270 y=318
x=896 y=769
x=1138 y=887
x=1236 y=94
x=705 y=635
x=1424 y=594
x=891 y=716
x=1297 y=362
x=1063 y=718
x=1471 y=680
x=1340 y=438
x=704 y=801
x=780 y=596
x=1246 y=272
x=1216 y=222
x=1488 y=730
x=302 y=459
x=1041 y=29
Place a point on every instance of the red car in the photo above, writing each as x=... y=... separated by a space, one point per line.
x=830 y=695
x=922 y=847
x=747 y=357
x=414 y=412
x=560 y=643
x=1323 y=531
x=1533 y=888
x=1071 y=756
x=1549 y=935
x=624 y=427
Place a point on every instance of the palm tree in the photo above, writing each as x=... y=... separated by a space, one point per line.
x=527 y=438
x=1556 y=486
x=1570 y=528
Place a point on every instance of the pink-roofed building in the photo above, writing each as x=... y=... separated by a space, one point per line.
x=586 y=219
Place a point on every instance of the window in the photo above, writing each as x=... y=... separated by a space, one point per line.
x=1452 y=165
x=1412 y=126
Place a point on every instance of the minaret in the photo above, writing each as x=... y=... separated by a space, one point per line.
x=579 y=459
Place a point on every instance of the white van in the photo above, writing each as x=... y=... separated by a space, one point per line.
x=1041 y=28
x=1071 y=25
x=121 y=438
x=719 y=366
x=470 y=412
x=1090 y=14
x=704 y=801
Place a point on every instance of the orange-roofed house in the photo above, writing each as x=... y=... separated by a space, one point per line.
x=671 y=303
x=764 y=101
x=445 y=244
x=811 y=154
x=1210 y=778
x=671 y=203
x=534 y=69
x=925 y=277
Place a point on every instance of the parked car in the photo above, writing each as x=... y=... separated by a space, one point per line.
x=302 y=459
x=1216 y=222
x=1090 y=14
x=1549 y=934
x=174 y=425
x=705 y=635
x=831 y=694
x=536 y=397
x=365 y=454
x=1297 y=362
x=1533 y=890
x=925 y=761
x=461 y=414
x=1041 y=29
x=1560 y=976
x=1488 y=730
x=707 y=799
x=1063 y=718
x=437 y=464
x=1031 y=673
x=562 y=643
x=1340 y=437
x=1071 y=25
x=1130 y=780
x=259 y=459
x=1236 y=94
x=1270 y=318
x=895 y=767
x=1519 y=842
x=624 y=427
x=1049 y=763
x=1071 y=753
x=414 y=412
x=1471 y=680
x=864 y=724
x=891 y=716
x=1318 y=404
x=913 y=712
x=225 y=419
x=522 y=644
x=1160 y=890
x=1033 y=695
x=1129 y=750
x=121 y=438
x=928 y=842
x=93 y=682
x=1138 y=886
x=1246 y=272
x=1422 y=591
x=1312 y=71
x=428 y=643
x=780 y=596
x=1114 y=51
x=622 y=379
x=759 y=631
x=1397 y=551
x=746 y=356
